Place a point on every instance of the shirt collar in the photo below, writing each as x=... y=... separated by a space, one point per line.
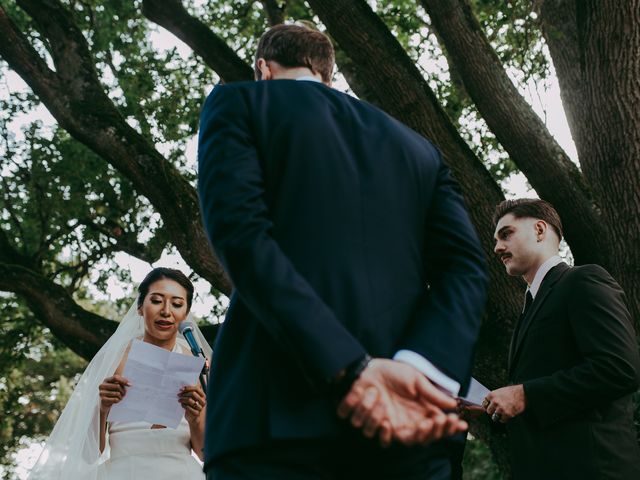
x=309 y=78
x=541 y=273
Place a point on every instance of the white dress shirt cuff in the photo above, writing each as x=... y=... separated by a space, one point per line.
x=444 y=382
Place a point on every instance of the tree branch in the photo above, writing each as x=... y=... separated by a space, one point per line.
x=519 y=129
x=559 y=27
x=125 y=241
x=47 y=241
x=275 y=12
x=21 y=50
x=76 y=99
x=80 y=330
x=16 y=223
x=171 y=15
x=9 y=254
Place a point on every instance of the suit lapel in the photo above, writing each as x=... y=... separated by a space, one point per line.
x=525 y=322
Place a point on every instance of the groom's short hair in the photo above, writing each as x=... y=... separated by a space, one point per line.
x=297 y=46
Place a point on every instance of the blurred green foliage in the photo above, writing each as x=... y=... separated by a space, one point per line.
x=37 y=375
x=478 y=462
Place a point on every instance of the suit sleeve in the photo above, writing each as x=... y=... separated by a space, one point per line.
x=602 y=329
x=446 y=323
x=237 y=221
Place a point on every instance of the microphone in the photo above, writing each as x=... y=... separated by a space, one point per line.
x=186 y=329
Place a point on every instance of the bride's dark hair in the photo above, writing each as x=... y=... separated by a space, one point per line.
x=168 y=273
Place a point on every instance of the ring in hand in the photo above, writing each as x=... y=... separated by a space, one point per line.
x=495 y=417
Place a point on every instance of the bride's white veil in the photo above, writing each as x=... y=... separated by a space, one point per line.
x=72 y=450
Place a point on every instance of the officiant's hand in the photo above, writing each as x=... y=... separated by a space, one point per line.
x=505 y=403
x=112 y=390
x=396 y=401
x=193 y=400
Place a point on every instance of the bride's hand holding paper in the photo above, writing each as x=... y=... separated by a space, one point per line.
x=193 y=400
x=112 y=390
x=158 y=376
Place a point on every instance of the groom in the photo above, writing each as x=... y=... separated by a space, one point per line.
x=346 y=239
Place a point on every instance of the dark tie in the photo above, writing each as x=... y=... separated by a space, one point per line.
x=528 y=300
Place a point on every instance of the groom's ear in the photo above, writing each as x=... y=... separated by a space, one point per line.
x=263 y=70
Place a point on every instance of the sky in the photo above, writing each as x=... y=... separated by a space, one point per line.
x=546 y=103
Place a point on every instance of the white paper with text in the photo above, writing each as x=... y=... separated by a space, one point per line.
x=156 y=375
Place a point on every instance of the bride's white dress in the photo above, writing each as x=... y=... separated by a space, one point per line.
x=138 y=452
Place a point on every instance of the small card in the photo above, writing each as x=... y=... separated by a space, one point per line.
x=476 y=393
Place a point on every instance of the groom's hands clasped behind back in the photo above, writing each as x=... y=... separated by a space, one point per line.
x=396 y=402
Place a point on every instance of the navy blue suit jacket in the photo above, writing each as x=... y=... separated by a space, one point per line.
x=343 y=233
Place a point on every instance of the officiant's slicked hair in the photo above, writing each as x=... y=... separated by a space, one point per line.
x=161 y=273
x=295 y=46
x=529 y=208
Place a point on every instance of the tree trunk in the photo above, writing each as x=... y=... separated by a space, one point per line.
x=519 y=129
x=609 y=37
x=560 y=30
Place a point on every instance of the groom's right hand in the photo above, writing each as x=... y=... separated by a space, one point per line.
x=396 y=401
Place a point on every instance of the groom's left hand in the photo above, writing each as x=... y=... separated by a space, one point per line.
x=396 y=401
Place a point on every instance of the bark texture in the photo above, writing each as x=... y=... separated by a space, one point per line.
x=519 y=129
x=558 y=22
x=609 y=39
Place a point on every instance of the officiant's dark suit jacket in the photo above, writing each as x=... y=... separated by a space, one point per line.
x=577 y=357
x=343 y=233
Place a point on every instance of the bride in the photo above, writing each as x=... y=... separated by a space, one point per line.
x=84 y=445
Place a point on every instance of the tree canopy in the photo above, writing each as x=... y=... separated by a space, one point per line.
x=103 y=162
